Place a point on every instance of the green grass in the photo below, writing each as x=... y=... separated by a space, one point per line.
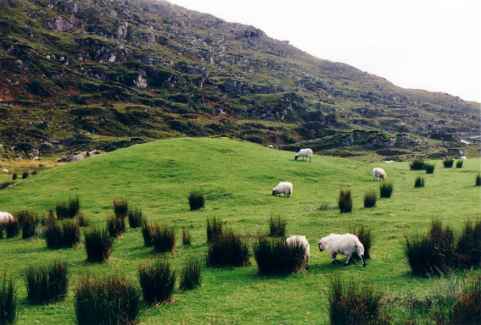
x=237 y=178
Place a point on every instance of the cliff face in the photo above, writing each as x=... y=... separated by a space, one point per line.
x=110 y=73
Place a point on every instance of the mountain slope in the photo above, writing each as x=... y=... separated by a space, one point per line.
x=99 y=73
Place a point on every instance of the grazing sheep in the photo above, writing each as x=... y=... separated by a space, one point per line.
x=305 y=154
x=6 y=218
x=271 y=146
x=283 y=188
x=6 y=171
x=302 y=241
x=379 y=174
x=463 y=158
x=346 y=244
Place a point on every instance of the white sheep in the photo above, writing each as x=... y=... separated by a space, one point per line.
x=283 y=188
x=379 y=174
x=305 y=154
x=301 y=241
x=6 y=218
x=346 y=244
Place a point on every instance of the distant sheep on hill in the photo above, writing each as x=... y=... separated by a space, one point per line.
x=346 y=244
x=379 y=174
x=305 y=154
x=302 y=241
x=283 y=189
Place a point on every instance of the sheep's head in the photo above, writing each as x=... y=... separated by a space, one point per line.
x=274 y=192
x=322 y=245
x=296 y=156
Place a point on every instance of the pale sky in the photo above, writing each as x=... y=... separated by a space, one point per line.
x=425 y=44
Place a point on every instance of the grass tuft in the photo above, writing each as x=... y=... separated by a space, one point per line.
x=191 y=275
x=370 y=199
x=157 y=281
x=98 y=245
x=186 y=237
x=228 y=250
x=276 y=257
x=417 y=164
x=468 y=247
x=46 y=284
x=365 y=236
x=214 y=229
x=459 y=164
x=135 y=217
x=148 y=231
x=448 y=163
x=478 y=180
x=196 y=201
x=345 y=201
x=121 y=208
x=69 y=209
x=163 y=239
x=28 y=222
x=8 y=301
x=277 y=227
x=419 y=182
x=116 y=226
x=386 y=189
x=430 y=168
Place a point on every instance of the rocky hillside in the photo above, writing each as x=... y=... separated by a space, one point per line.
x=81 y=74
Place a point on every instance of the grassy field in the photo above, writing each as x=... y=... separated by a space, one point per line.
x=237 y=178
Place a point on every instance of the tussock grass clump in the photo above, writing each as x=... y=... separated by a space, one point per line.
x=214 y=229
x=62 y=234
x=10 y=229
x=468 y=247
x=433 y=253
x=98 y=245
x=121 y=208
x=277 y=227
x=228 y=250
x=8 y=301
x=430 y=168
x=108 y=301
x=365 y=236
x=459 y=164
x=351 y=303
x=417 y=164
x=82 y=220
x=386 y=189
x=478 y=180
x=28 y=222
x=135 y=217
x=157 y=281
x=274 y=256
x=419 y=182
x=69 y=209
x=186 y=238
x=71 y=233
x=163 y=239
x=191 y=275
x=14 y=176
x=46 y=284
x=448 y=163
x=467 y=308
x=196 y=201
x=116 y=226
x=148 y=231
x=25 y=175
x=370 y=199
x=345 y=201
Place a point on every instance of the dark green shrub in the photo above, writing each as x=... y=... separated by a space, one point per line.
x=135 y=217
x=386 y=189
x=459 y=164
x=345 y=201
x=28 y=222
x=157 y=281
x=148 y=230
x=417 y=164
x=448 y=163
x=116 y=226
x=433 y=253
x=25 y=175
x=163 y=239
x=468 y=248
x=186 y=238
x=419 y=182
x=478 y=180
x=370 y=199
x=196 y=201
x=98 y=245
x=69 y=209
x=121 y=208
x=467 y=308
x=46 y=284
x=109 y=301
x=214 y=229
x=430 y=168
x=228 y=250
x=277 y=227
x=191 y=275
x=8 y=301
x=365 y=237
x=275 y=256
x=351 y=303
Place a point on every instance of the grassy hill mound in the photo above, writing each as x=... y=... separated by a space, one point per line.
x=237 y=178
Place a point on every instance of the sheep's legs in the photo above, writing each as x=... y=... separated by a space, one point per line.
x=348 y=260
x=333 y=256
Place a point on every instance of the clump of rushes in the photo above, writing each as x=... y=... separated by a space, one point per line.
x=25 y=175
x=14 y=176
x=448 y=163
x=8 y=301
x=277 y=227
x=196 y=201
x=98 y=245
x=365 y=237
x=386 y=189
x=163 y=239
x=28 y=222
x=459 y=164
x=467 y=308
x=228 y=250
x=430 y=168
x=276 y=257
x=370 y=199
x=82 y=220
x=115 y=226
x=12 y=228
x=135 y=217
x=121 y=208
x=157 y=281
x=417 y=164
x=345 y=201
x=186 y=238
x=468 y=247
x=214 y=229
x=69 y=209
x=191 y=275
x=46 y=284
x=108 y=301
x=478 y=180
x=148 y=231
x=419 y=182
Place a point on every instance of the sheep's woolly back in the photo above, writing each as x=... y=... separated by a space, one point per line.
x=299 y=240
x=378 y=172
x=284 y=187
x=345 y=244
x=6 y=217
x=305 y=152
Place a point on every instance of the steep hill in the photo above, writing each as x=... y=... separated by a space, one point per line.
x=110 y=73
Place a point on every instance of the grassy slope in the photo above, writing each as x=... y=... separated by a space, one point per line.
x=238 y=177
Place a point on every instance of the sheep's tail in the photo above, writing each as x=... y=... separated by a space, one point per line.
x=360 y=252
